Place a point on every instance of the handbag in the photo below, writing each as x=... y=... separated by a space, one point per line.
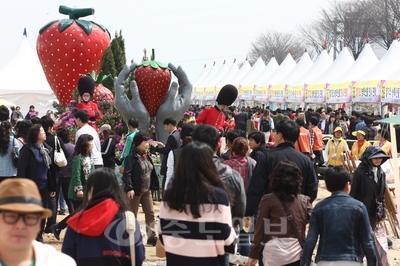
x=59 y=156
x=130 y=228
x=15 y=155
x=381 y=245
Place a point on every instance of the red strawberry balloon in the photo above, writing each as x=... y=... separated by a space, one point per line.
x=153 y=79
x=69 y=47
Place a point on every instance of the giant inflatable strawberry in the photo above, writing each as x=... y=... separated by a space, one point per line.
x=70 y=47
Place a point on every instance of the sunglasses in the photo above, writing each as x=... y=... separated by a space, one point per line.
x=29 y=219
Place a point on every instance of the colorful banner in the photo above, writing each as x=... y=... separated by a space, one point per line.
x=367 y=91
x=277 y=93
x=209 y=93
x=339 y=92
x=246 y=93
x=261 y=93
x=295 y=94
x=315 y=93
x=391 y=91
x=197 y=93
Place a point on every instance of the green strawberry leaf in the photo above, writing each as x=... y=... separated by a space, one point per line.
x=154 y=64
x=103 y=28
x=64 y=24
x=97 y=79
x=85 y=25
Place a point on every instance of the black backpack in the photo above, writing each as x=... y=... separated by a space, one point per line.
x=265 y=126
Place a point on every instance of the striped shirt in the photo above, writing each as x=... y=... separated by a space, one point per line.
x=201 y=241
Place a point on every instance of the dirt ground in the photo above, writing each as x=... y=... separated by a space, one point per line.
x=152 y=260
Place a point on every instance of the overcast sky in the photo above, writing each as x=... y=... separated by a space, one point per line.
x=183 y=32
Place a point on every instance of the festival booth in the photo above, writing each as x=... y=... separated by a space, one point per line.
x=246 y=67
x=24 y=83
x=368 y=88
x=391 y=92
x=246 y=84
x=295 y=94
x=197 y=95
x=342 y=64
x=261 y=92
x=314 y=94
x=340 y=91
x=276 y=93
x=201 y=86
x=210 y=92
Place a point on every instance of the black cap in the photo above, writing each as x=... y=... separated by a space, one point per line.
x=227 y=95
x=85 y=84
x=188 y=129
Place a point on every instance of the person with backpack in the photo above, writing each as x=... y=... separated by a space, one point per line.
x=267 y=124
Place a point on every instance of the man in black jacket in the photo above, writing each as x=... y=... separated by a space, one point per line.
x=287 y=132
x=173 y=141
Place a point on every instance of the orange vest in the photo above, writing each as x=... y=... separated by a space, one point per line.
x=303 y=142
x=317 y=139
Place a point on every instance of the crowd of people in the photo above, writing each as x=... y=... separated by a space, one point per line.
x=245 y=201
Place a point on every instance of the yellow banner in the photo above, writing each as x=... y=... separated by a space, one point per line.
x=246 y=93
x=367 y=91
x=295 y=93
x=339 y=92
x=391 y=91
x=261 y=93
x=277 y=93
x=315 y=93
x=209 y=93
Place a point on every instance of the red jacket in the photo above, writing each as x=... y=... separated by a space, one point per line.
x=212 y=116
x=94 y=113
x=230 y=124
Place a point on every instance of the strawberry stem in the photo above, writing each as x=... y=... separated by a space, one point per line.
x=153 y=56
x=76 y=13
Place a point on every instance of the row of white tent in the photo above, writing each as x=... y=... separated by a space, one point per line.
x=323 y=74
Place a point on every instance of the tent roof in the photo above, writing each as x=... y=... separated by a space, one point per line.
x=231 y=73
x=242 y=72
x=282 y=71
x=386 y=66
x=365 y=62
x=213 y=71
x=202 y=75
x=271 y=67
x=320 y=66
x=342 y=63
x=220 y=74
x=304 y=64
x=256 y=70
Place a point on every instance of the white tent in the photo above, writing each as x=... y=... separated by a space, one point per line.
x=24 y=82
x=342 y=63
x=242 y=72
x=220 y=74
x=386 y=66
x=282 y=71
x=271 y=67
x=202 y=75
x=320 y=66
x=304 y=64
x=233 y=70
x=204 y=83
x=365 y=62
x=254 y=72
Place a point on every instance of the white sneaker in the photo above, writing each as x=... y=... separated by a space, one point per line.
x=238 y=259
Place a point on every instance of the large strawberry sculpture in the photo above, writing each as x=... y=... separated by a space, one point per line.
x=101 y=93
x=153 y=80
x=69 y=47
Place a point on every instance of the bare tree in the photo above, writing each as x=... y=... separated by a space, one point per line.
x=276 y=44
x=316 y=37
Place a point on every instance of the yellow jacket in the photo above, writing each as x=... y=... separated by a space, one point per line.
x=334 y=150
x=354 y=149
x=386 y=147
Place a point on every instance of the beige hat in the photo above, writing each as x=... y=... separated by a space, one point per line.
x=21 y=195
x=362 y=132
x=104 y=127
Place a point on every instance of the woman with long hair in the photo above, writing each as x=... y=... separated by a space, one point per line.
x=197 y=205
x=383 y=141
x=283 y=244
x=97 y=231
x=140 y=179
x=108 y=146
x=82 y=166
x=36 y=162
x=22 y=130
x=7 y=144
x=267 y=124
x=331 y=124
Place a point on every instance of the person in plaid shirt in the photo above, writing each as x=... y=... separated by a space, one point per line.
x=370 y=129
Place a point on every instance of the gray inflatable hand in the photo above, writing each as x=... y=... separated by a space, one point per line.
x=130 y=108
x=174 y=105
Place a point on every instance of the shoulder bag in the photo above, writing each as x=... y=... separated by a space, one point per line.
x=291 y=221
x=15 y=155
x=59 y=156
x=130 y=228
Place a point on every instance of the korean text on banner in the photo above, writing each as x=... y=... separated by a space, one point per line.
x=261 y=93
x=295 y=94
x=198 y=93
x=315 y=93
x=339 y=92
x=391 y=91
x=367 y=91
x=209 y=93
x=246 y=93
x=277 y=93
